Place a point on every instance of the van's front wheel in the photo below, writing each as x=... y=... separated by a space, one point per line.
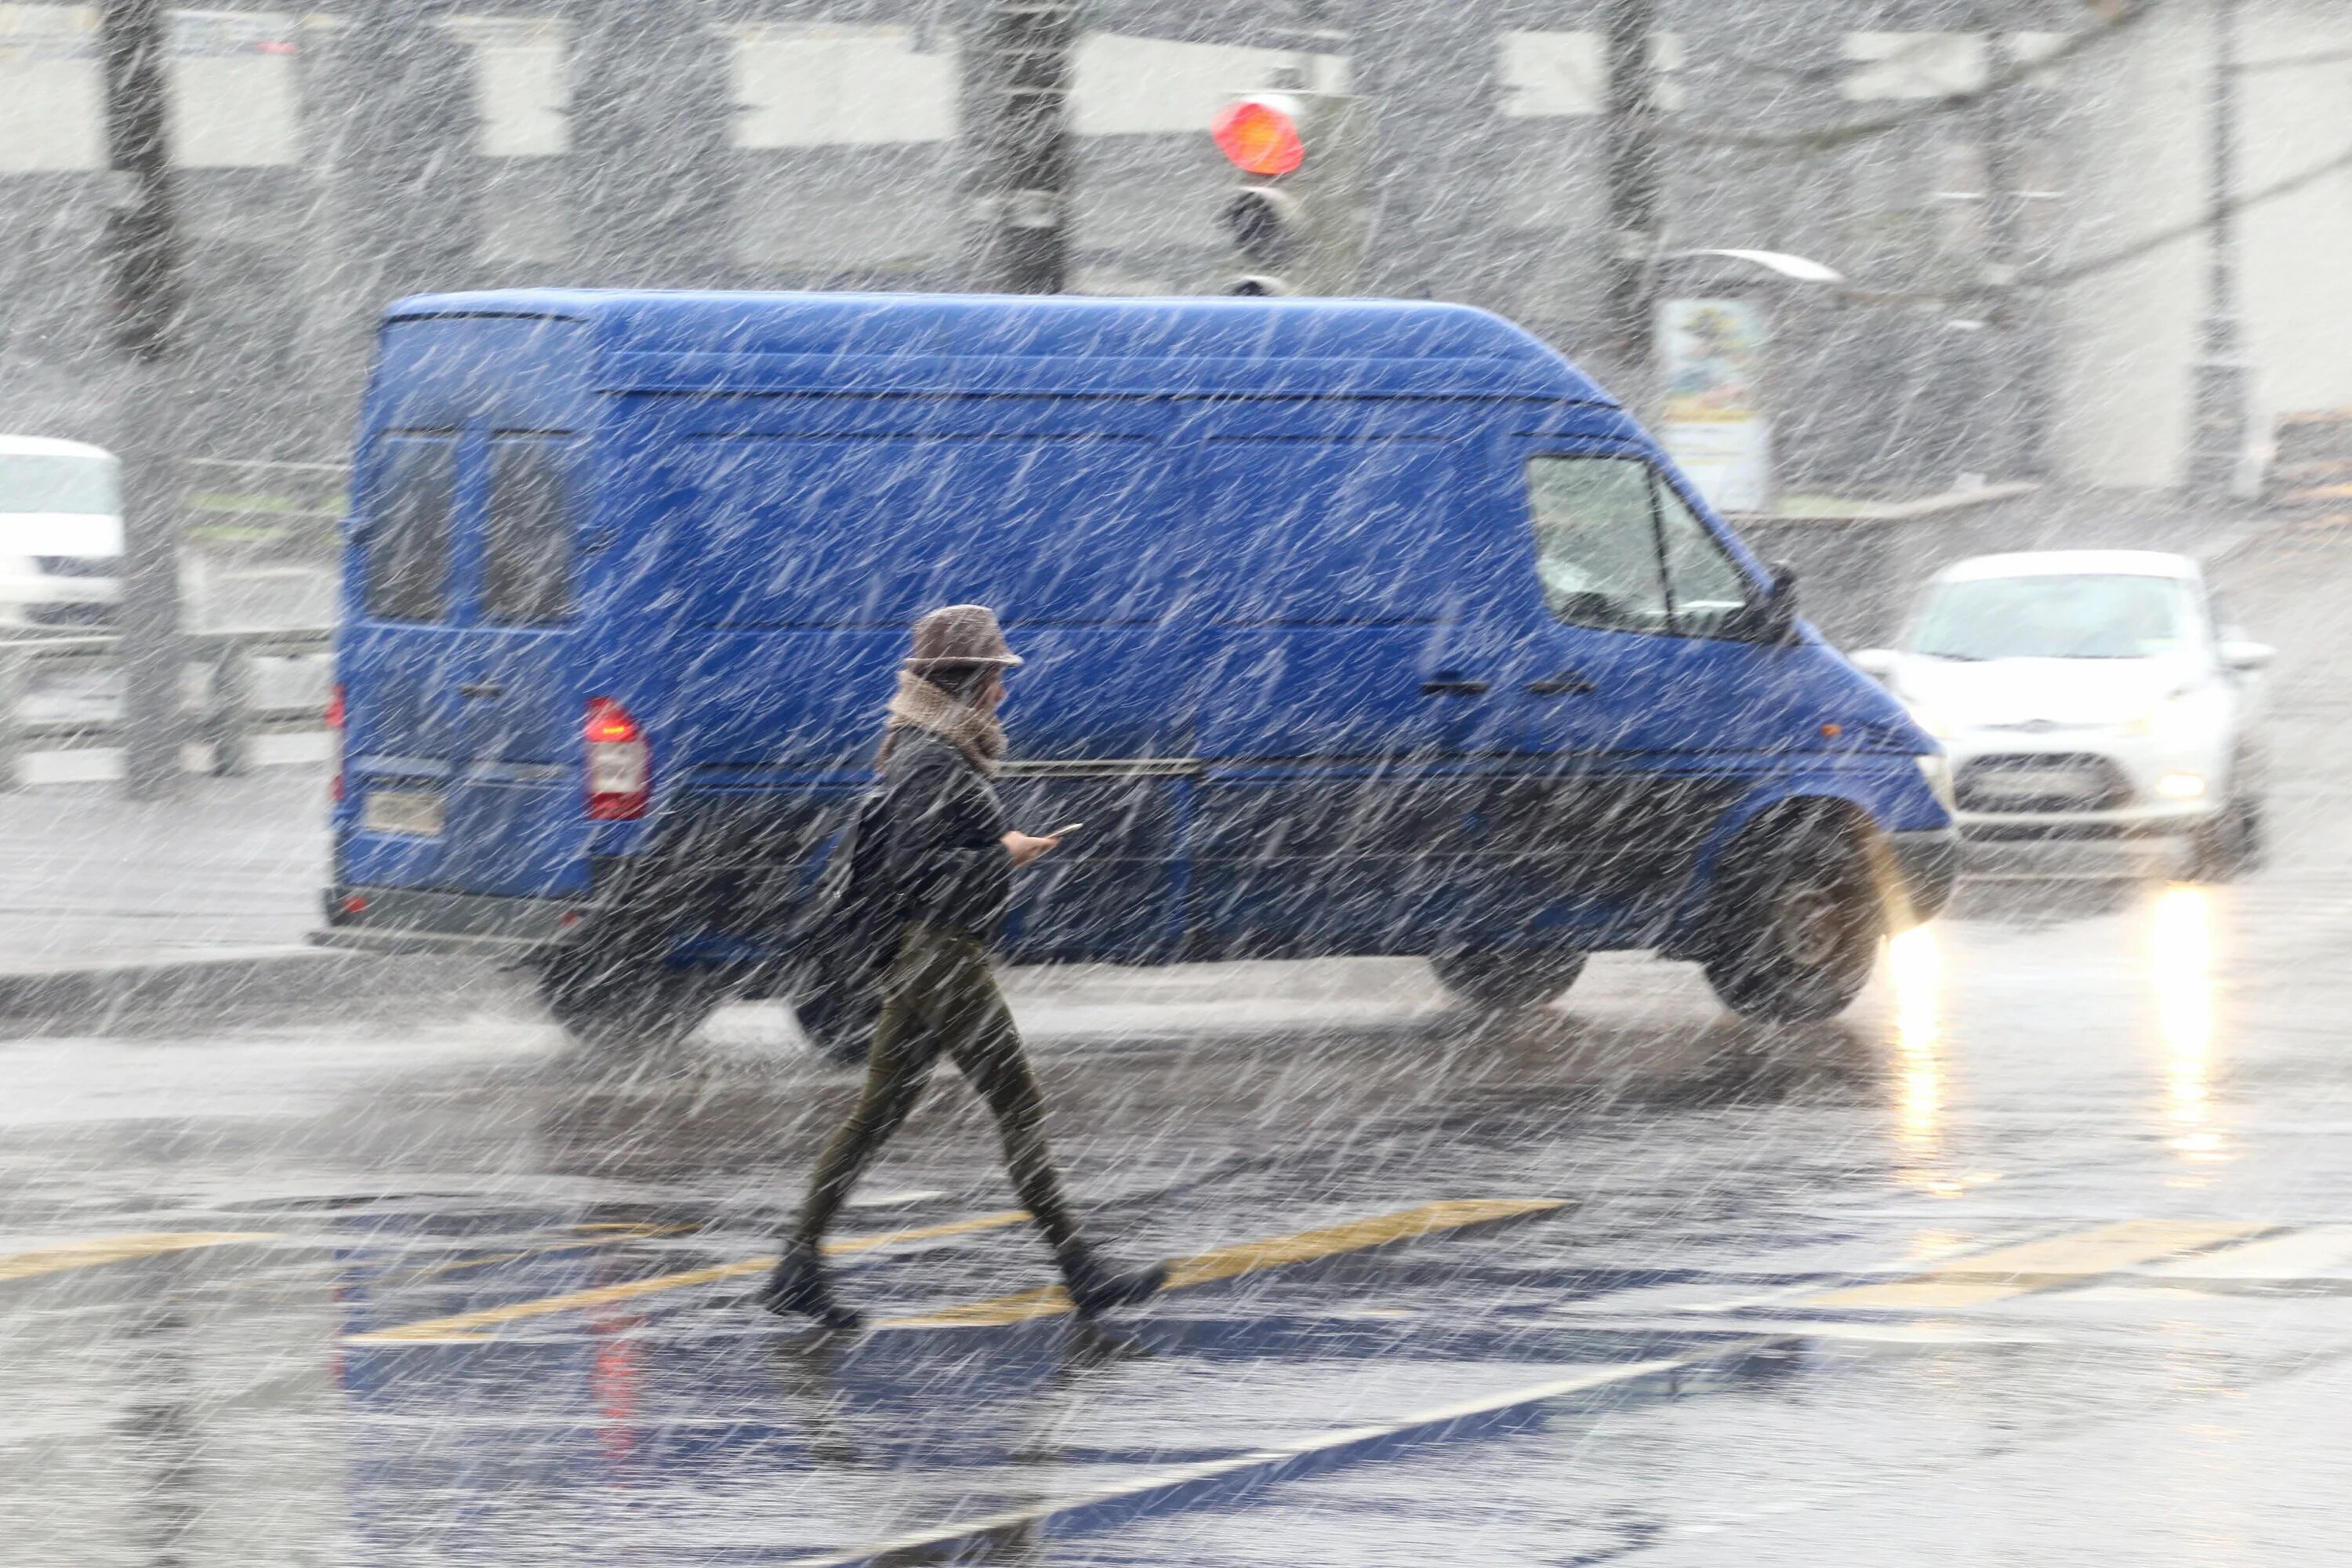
x=1505 y=979
x=618 y=1003
x=1799 y=922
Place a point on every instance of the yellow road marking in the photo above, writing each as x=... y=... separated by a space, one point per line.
x=117 y=1249
x=2043 y=1264
x=462 y=1325
x=1249 y=1257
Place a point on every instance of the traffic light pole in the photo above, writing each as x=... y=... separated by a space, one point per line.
x=1016 y=95
x=142 y=254
x=1636 y=177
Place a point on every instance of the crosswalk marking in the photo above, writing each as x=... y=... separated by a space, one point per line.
x=464 y=1326
x=2045 y=1265
x=2313 y=1252
x=118 y=1249
x=1248 y=1258
x=1176 y=1486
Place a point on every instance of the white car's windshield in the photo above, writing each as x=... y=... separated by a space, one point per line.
x=58 y=482
x=2056 y=616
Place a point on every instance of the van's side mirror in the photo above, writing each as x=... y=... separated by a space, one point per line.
x=1878 y=663
x=1770 y=617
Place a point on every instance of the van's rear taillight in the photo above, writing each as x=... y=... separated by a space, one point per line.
x=335 y=742
x=620 y=764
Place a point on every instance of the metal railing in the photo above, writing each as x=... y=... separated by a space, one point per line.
x=225 y=720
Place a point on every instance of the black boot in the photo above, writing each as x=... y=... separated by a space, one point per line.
x=1094 y=1288
x=797 y=1285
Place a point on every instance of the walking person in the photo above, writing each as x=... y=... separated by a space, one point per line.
x=946 y=859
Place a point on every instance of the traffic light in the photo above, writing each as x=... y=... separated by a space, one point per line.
x=1298 y=216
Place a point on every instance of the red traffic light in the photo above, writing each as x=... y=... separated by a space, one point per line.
x=1260 y=135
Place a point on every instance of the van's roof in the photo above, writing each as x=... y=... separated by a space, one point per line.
x=1223 y=338
x=2072 y=563
x=48 y=446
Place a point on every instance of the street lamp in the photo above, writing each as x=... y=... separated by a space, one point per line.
x=2218 y=378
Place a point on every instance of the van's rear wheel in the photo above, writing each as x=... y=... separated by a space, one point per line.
x=627 y=1004
x=1798 y=919
x=1504 y=979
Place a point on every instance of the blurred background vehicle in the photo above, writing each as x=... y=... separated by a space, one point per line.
x=2089 y=694
x=60 y=533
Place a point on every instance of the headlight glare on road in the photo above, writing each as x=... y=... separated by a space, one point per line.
x=1937 y=769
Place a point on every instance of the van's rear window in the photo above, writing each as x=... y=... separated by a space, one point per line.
x=527 y=550
x=406 y=529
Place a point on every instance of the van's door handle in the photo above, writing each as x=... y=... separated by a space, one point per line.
x=481 y=689
x=1454 y=689
x=1567 y=683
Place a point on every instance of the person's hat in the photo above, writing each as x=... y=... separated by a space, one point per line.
x=960 y=633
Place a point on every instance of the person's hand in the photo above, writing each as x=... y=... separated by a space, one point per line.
x=1025 y=847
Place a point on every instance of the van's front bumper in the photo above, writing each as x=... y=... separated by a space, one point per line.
x=418 y=920
x=1927 y=861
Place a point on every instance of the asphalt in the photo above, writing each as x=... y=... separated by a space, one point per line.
x=2041 y=1254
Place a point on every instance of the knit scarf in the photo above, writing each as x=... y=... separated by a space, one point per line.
x=919 y=705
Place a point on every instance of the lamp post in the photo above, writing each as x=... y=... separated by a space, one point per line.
x=2218 y=378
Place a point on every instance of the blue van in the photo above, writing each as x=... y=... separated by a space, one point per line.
x=1352 y=627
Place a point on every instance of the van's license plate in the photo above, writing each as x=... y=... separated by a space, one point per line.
x=415 y=813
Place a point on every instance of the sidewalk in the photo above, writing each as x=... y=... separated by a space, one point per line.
x=229 y=867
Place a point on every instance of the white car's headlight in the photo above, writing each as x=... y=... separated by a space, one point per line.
x=1937 y=769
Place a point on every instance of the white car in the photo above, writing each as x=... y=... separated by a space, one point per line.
x=2089 y=694
x=60 y=533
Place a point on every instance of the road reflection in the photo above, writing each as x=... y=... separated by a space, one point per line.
x=1916 y=967
x=2180 y=961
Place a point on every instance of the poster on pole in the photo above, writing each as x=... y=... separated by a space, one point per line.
x=1712 y=422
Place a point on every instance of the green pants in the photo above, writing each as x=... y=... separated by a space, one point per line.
x=939 y=998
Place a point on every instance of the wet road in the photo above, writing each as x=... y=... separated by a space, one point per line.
x=2043 y=1253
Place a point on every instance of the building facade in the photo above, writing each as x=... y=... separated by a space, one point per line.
x=331 y=160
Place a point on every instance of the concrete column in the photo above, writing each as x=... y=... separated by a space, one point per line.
x=1433 y=70
x=394 y=130
x=653 y=174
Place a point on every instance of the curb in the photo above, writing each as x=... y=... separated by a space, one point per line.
x=218 y=986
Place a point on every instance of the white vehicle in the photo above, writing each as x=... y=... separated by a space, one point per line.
x=2089 y=694
x=60 y=533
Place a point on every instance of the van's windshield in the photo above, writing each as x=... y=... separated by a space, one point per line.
x=59 y=482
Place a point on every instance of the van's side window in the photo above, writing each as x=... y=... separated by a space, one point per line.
x=407 y=530
x=1597 y=542
x=527 y=550
x=1703 y=585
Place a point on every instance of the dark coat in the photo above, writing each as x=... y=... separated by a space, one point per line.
x=939 y=840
